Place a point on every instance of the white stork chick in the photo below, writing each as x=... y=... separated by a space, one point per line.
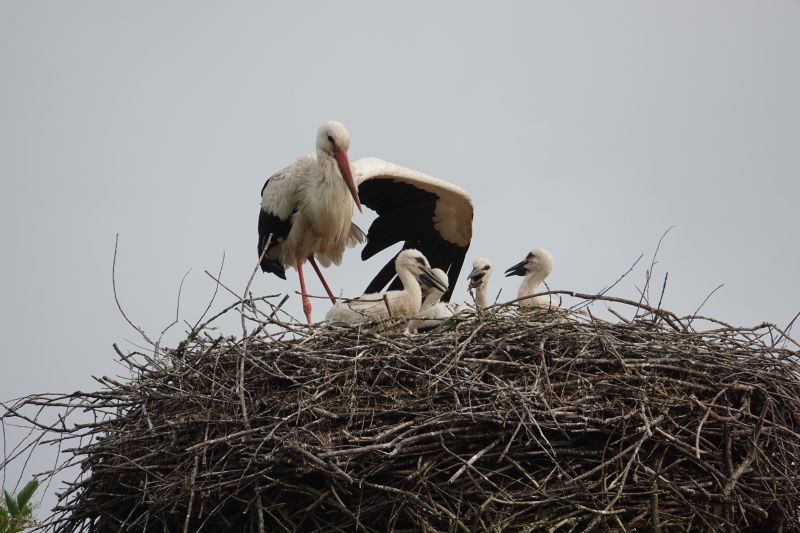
x=411 y=267
x=433 y=310
x=479 y=280
x=536 y=266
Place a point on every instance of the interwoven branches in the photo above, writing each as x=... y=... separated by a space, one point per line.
x=543 y=421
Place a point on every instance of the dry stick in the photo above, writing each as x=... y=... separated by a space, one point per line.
x=788 y=327
x=245 y=337
x=619 y=316
x=278 y=307
x=703 y=421
x=225 y=438
x=622 y=476
x=751 y=454
x=654 y=512
x=386 y=303
x=240 y=301
x=177 y=308
x=718 y=287
x=344 y=299
x=116 y=298
x=5 y=448
x=261 y=528
x=645 y=293
x=783 y=333
x=191 y=495
x=663 y=290
x=608 y=288
x=661 y=312
x=213 y=296
x=471 y=461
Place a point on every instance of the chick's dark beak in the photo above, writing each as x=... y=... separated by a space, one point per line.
x=427 y=277
x=475 y=277
x=517 y=270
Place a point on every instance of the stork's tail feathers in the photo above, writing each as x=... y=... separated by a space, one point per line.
x=355 y=236
x=274 y=266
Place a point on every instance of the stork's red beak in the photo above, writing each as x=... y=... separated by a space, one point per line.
x=344 y=168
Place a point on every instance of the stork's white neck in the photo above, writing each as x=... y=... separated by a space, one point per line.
x=481 y=297
x=530 y=284
x=410 y=284
x=329 y=169
x=432 y=299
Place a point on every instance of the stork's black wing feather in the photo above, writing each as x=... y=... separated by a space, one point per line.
x=406 y=214
x=386 y=275
x=272 y=229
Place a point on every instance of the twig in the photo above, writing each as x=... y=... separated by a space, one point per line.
x=116 y=297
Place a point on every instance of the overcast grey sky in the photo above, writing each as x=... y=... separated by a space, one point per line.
x=587 y=128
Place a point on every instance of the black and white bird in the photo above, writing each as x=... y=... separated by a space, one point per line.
x=536 y=266
x=306 y=214
x=306 y=211
x=412 y=268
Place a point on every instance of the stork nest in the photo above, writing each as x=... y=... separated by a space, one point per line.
x=503 y=421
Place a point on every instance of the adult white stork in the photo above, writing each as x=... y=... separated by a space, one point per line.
x=412 y=268
x=306 y=212
x=536 y=266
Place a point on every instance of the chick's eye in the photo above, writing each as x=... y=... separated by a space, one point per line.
x=420 y=261
x=486 y=267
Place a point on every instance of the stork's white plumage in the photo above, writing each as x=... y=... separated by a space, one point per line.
x=433 y=310
x=411 y=267
x=536 y=266
x=306 y=212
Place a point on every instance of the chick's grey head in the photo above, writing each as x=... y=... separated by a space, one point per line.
x=538 y=261
x=481 y=272
x=413 y=261
x=441 y=277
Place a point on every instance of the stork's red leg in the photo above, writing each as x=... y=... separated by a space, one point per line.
x=324 y=283
x=306 y=301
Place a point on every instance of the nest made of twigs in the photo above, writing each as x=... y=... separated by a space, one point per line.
x=502 y=421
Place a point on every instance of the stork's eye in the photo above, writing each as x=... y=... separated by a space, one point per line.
x=330 y=138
